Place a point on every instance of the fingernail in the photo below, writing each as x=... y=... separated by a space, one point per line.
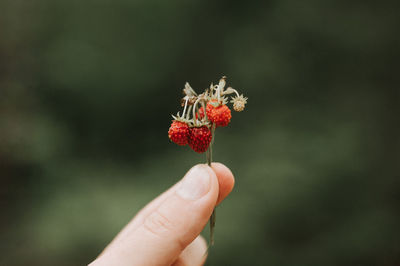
x=195 y=184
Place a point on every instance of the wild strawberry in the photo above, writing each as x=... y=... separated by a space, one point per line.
x=179 y=132
x=200 y=138
x=219 y=114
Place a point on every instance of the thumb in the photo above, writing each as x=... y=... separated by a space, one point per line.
x=169 y=228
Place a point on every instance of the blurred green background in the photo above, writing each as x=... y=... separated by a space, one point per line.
x=86 y=93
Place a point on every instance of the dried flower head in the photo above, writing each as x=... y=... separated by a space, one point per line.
x=239 y=103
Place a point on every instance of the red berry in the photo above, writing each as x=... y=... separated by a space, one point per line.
x=179 y=132
x=220 y=115
x=200 y=138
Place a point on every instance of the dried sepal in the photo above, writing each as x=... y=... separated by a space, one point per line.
x=224 y=100
x=208 y=94
x=203 y=97
x=222 y=83
x=180 y=118
x=214 y=103
x=188 y=91
x=198 y=123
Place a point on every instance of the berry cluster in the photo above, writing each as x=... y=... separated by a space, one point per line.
x=196 y=127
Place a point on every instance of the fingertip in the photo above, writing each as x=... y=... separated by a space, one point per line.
x=226 y=180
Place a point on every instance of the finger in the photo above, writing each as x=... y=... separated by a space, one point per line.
x=193 y=255
x=170 y=227
x=226 y=180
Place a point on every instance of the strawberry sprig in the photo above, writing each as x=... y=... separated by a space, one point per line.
x=202 y=114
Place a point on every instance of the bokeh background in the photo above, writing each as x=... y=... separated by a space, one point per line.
x=86 y=93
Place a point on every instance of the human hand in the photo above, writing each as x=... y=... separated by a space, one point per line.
x=166 y=231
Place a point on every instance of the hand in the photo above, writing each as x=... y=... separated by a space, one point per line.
x=166 y=231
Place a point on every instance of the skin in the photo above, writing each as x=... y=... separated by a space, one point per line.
x=167 y=230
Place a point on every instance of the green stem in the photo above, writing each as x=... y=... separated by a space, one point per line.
x=209 y=160
x=212 y=226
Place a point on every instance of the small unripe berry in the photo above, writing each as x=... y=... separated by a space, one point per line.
x=239 y=103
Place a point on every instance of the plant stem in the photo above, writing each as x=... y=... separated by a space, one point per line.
x=209 y=160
